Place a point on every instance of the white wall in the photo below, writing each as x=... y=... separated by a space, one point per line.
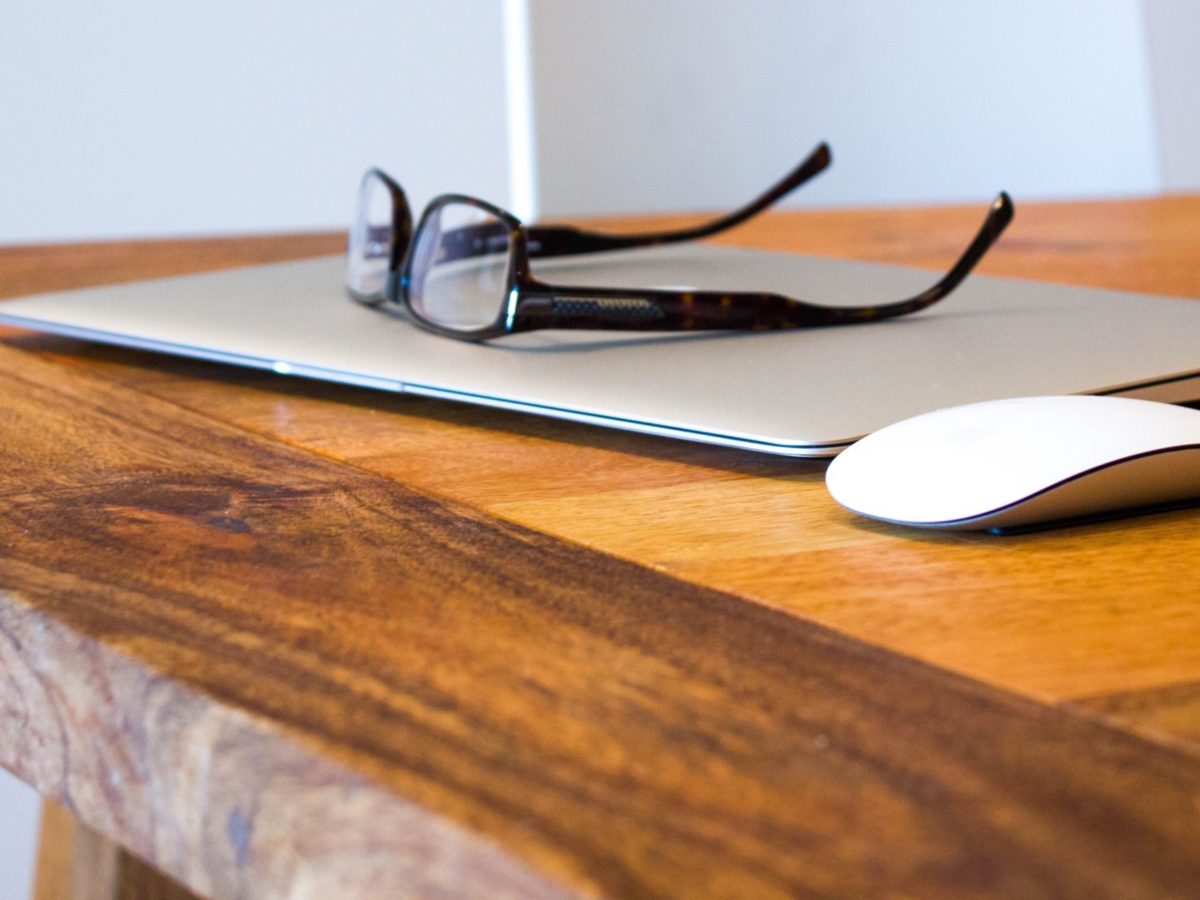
x=143 y=118
x=678 y=103
x=1173 y=30
x=139 y=117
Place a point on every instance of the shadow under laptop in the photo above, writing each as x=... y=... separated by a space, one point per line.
x=165 y=376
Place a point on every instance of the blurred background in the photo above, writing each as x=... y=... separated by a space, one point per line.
x=143 y=118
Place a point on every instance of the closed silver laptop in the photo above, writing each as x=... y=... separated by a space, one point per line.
x=807 y=392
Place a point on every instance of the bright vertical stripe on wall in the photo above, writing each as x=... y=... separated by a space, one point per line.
x=519 y=97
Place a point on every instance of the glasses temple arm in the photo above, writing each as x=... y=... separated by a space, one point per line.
x=998 y=218
x=560 y=306
x=562 y=240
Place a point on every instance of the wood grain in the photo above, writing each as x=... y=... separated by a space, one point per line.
x=277 y=636
x=196 y=625
x=1171 y=711
x=1072 y=614
x=1069 y=613
x=34 y=268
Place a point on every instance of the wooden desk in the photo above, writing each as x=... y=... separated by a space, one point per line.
x=282 y=638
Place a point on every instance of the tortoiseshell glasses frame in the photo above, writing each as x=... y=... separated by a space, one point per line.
x=473 y=281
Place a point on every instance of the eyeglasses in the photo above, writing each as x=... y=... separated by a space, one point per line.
x=465 y=270
x=382 y=232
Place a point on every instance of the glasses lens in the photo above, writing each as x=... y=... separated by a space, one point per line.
x=369 y=250
x=459 y=274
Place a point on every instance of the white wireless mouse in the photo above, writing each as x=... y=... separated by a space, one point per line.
x=1010 y=463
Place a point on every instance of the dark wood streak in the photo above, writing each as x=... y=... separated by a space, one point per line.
x=316 y=635
x=1168 y=712
x=31 y=268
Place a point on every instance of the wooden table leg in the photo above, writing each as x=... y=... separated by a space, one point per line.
x=77 y=863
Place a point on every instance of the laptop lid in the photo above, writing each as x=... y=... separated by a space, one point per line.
x=805 y=392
